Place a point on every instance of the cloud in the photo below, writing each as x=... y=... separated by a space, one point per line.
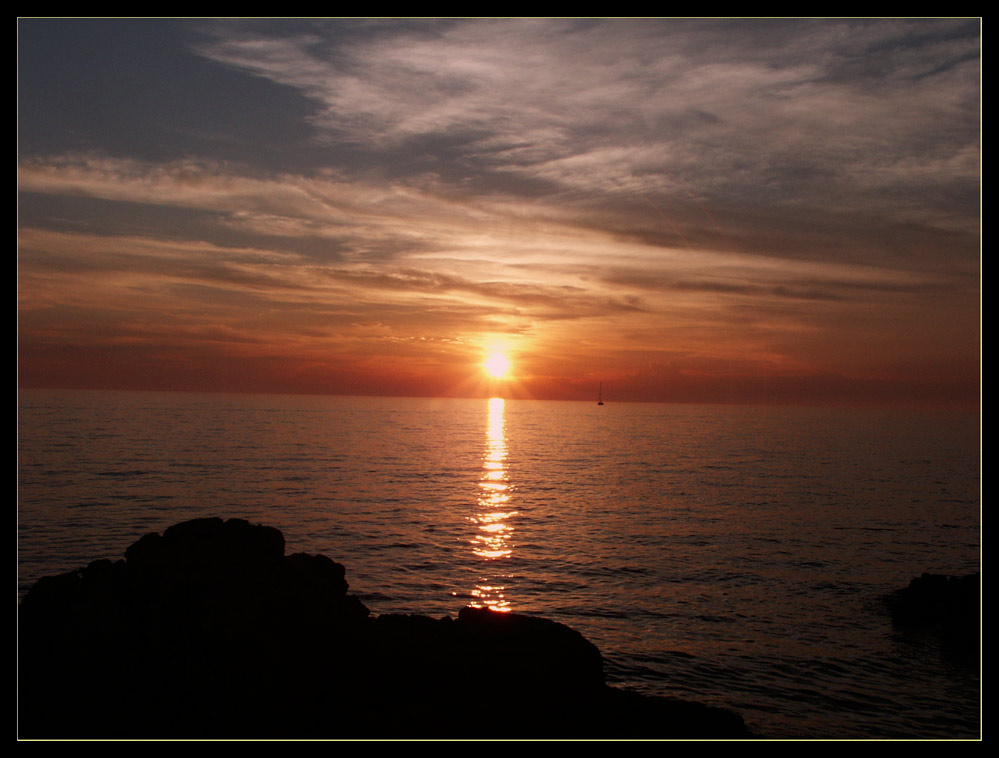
x=838 y=115
x=741 y=193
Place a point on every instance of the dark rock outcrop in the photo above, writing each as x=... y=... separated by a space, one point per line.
x=948 y=606
x=211 y=631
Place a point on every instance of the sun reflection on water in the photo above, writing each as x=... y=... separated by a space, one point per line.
x=493 y=540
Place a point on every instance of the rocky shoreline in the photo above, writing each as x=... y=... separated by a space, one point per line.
x=948 y=607
x=210 y=631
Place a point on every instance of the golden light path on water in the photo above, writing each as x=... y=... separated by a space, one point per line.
x=493 y=540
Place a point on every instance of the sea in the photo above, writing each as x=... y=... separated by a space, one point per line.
x=729 y=555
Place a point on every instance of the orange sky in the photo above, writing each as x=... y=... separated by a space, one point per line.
x=683 y=210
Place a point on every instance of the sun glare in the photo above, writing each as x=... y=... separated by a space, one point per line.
x=497 y=365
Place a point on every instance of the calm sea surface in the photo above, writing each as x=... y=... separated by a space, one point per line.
x=733 y=556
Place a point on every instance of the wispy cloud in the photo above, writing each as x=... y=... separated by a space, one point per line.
x=746 y=193
x=817 y=114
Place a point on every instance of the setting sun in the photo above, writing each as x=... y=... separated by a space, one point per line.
x=497 y=365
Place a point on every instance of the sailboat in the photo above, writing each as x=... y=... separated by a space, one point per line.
x=600 y=394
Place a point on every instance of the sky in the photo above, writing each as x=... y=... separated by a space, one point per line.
x=679 y=210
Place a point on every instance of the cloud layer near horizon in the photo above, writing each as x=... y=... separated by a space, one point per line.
x=673 y=206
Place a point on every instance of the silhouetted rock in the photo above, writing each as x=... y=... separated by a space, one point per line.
x=211 y=631
x=945 y=605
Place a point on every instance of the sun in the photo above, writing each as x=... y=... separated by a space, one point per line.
x=497 y=365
